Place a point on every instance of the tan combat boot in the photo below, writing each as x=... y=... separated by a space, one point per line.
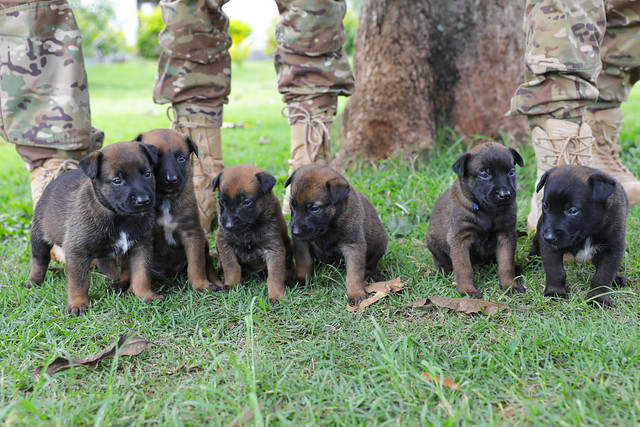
x=40 y=178
x=310 y=142
x=560 y=143
x=207 y=165
x=605 y=125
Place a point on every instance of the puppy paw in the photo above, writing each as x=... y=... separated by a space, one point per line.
x=151 y=297
x=118 y=287
x=619 y=282
x=77 y=309
x=356 y=299
x=515 y=288
x=555 y=293
x=469 y=291
x=597 y=297
x=205 y=286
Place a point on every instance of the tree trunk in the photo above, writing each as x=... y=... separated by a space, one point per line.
x=422 y=64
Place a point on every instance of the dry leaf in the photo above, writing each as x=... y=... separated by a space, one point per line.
x=446 y=382
x=127 y=345
x=381 y=289
x=243 y=418
x=464 y=305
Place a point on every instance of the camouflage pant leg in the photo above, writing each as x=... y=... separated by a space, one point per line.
x=562 y=59
x=312 y=66
x=194 y=70
x=620 y=53
x=44 y=98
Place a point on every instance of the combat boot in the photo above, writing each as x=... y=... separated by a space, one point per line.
x=42 y=176
x=560 y=143
x=605 y=125
x=207 y=165
x=310 y=142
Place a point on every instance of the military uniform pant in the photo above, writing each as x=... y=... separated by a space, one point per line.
x=44 y=99
x=579 y=54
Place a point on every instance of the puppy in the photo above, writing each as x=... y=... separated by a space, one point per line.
x=179 y=242
x=102 y=210
x=253 y=232
x=330 y=221
x=584 y=213
x=474 y=221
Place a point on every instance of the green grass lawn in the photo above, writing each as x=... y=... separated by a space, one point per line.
x=307 y=360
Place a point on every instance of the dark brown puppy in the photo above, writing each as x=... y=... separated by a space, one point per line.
x=102 y=210
x=584 y=213
x=253 y=232
x=474 y=221
x=331 y=221
x=179 y=242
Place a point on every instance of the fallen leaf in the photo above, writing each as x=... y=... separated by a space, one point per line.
x=381 y=289
x=243 y=418
x=127 y=345
x=464 y=305
x=446 y=382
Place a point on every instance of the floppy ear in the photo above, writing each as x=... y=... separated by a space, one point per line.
x=90 y=165
x=460 y=165
x=602 y=186
x=193 y=148
x=338 y=189
x=543 y=180
x=151 y=151
x=289 y=180
x=216 y=181
x=138 y=138
x=517 y=158
x=266 y=181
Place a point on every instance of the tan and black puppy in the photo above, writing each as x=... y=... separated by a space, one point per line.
x=102 y=210
x=474 y=221
x=331 y=221
x=252 y=235
x=584 y=213
x=180 y=244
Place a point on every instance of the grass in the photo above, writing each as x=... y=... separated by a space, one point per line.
x=307 y=361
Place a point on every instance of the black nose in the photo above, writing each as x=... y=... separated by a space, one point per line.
x=171 y=179
x=503 y=194
x=296 y=230
x=549 y=236
x=142 y=200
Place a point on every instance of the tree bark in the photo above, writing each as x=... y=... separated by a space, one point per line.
x=420 y=65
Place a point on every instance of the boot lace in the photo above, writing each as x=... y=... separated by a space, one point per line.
x=315 y=127
x=607 y=147
x=571 y=149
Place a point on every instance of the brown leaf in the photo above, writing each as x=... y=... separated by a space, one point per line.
x=243 y=418
x=381 y=289
x=446 y=382
x=464 y=305
x=127 y=345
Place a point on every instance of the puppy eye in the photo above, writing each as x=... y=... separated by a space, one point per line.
x=512 y=172
x=315 y=209
x=247 y=202
x=147 y=174
x=182 y=159
x=572 y=211
x=116 y=181
x=221 y=201
x=484 y=175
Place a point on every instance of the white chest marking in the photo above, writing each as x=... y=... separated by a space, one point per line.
x=588 y=251
x=122 y=245
x=165 y=220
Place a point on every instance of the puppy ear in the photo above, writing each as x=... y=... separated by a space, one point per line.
x=338 y=189
x=289 y=180
x=193 y=148
x=517 y=158
x=216 y=181
x=543 y=180
x=90 y=165
x=602 y=186
x=460 y=165
x=138 y=138
x=151 y=151
x=266 y=181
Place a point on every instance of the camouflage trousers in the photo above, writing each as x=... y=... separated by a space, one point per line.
x=194 y=70
x=580 y=54
x=44 y=99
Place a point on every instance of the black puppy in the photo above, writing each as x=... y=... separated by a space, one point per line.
x=474 y=221
x=584 y=213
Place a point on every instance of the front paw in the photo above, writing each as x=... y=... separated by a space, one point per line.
x=619 y=282
x=469 y=291
x=118 y=287
x=356 y=299
x=204 y=286
x=555 y=292
x=598 y=297
x=77 y=308
x=514 y=288
x=151 y=297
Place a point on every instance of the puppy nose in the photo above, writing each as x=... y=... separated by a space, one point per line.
x=142 y=200
x=549 y=236
x=503 y=194
x=228 y=222
x=296 y=230
x=171 y=179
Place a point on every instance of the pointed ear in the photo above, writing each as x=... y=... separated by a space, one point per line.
x=138 y=138
x=266 y=181
x=460 y=165
x=151 y=151
x=543 y=180
x=216 y=181
x=602 y=186
x=90 y=165
x=517 y=158
x=193 y=148
x=338 y=189
x=289 y=180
